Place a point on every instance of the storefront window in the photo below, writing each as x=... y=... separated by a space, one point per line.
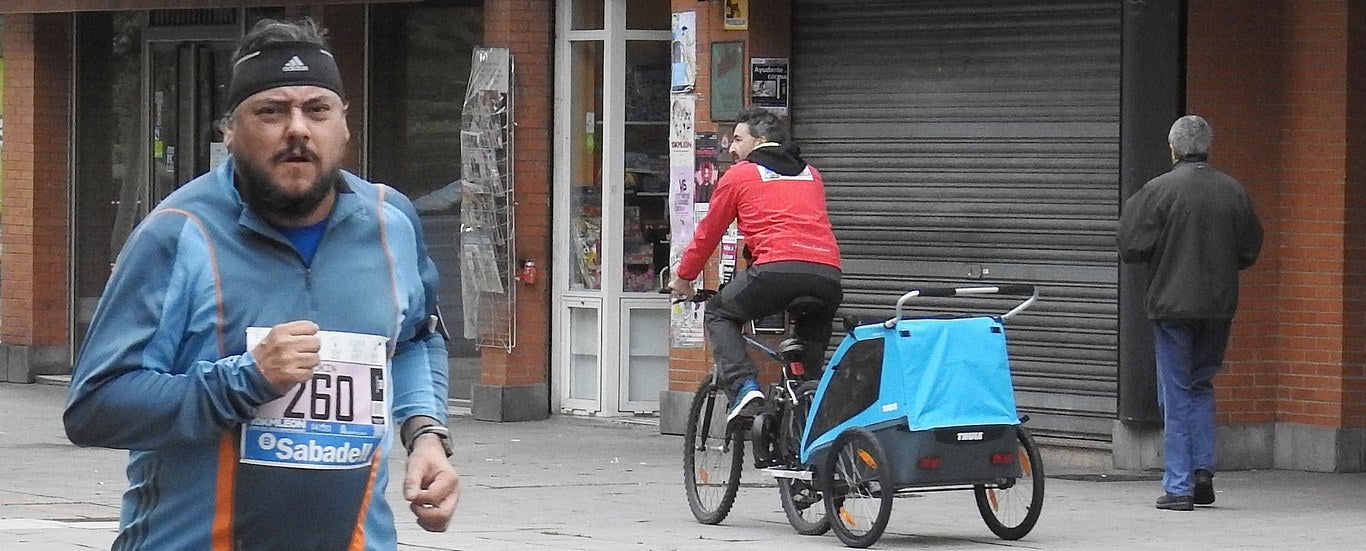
x=112 y=163
x=585 y=15
x=419 y=70
x=645 y=223
x=585 y=161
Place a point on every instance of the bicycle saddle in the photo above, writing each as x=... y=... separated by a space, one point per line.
x=804 y=305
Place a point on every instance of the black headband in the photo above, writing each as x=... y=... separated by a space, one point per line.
x=283 y=64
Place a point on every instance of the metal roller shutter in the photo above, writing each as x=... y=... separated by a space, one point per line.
x=967 y=142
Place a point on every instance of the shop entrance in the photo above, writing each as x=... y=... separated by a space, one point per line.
x=150 y=90
x=188 y=96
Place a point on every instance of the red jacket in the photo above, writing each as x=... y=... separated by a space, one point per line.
x=781 y=217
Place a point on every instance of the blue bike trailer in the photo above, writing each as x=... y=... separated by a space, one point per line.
x=923 y=373
x=927 y=388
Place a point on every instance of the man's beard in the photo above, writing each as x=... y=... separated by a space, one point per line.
x=271 y=201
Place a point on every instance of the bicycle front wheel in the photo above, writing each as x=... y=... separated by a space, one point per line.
x=803 y=507
x=802 y=501
x=1011 y=507
x=712 y=457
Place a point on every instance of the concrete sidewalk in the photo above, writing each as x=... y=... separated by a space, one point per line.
x=573 y=483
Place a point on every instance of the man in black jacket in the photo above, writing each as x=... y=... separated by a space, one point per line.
x=1196 y=228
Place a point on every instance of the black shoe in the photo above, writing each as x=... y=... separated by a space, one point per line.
x=1170 y=502
x=1204 y=487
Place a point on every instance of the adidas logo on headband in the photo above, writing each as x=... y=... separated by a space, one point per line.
x=280 y=64
x=294 y=64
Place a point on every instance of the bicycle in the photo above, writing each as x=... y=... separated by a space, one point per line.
x=712 y=446
x=920 y=404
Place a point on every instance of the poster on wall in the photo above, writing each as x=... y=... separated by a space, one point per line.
x=704 y=180
x=685 y=323
x=736 y=15
x=685 y=319
x=727 y=80
x=768 y=79
x=682 y=121
x=684 y=49
x=730 y=248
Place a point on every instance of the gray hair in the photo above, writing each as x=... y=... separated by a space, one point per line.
x=270 y=31
x=763 y=123
x=1190 y=135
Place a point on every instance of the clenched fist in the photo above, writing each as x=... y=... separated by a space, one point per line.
x=289 y=353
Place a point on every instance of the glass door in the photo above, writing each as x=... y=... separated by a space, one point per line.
x=146 y=106
x=611 y=192
x=109 y=189
x=189 y=91
x=644 y=196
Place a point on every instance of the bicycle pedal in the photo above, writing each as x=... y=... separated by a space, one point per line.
x=806 y=498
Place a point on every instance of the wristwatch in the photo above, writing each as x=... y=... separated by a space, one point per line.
x=442 y=433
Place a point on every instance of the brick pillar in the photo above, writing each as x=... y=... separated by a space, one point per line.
x=1284 y=118
x=514 y=386
x=769 y=35
x=33 y=223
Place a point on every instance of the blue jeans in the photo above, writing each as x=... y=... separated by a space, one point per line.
x=1189 y=355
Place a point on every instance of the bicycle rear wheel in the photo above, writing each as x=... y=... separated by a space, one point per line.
x=857 y=481
x=1012 y=507
x=712 y=457
x=802 y=501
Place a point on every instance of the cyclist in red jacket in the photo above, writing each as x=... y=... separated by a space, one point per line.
x=778 y=201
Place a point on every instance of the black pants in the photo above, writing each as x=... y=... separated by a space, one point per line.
x=762 y=291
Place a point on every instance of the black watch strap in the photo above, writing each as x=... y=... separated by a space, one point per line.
x=420 y=425
x=439 y=431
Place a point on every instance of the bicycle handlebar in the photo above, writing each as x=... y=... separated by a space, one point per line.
x=700 y=296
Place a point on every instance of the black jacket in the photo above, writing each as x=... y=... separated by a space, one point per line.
x=1196 y=228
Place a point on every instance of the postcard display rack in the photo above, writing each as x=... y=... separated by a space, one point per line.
x=486 y=214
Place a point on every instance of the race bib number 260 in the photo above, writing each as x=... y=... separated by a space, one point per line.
x=336 y=419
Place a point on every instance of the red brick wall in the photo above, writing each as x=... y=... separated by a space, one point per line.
x=1270 y=77
x=688 y=366
x=525 y=28
x=33 y=223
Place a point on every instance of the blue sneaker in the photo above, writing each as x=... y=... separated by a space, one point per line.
x=747 y=401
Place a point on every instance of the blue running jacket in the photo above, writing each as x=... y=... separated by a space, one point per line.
x=165 y=373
